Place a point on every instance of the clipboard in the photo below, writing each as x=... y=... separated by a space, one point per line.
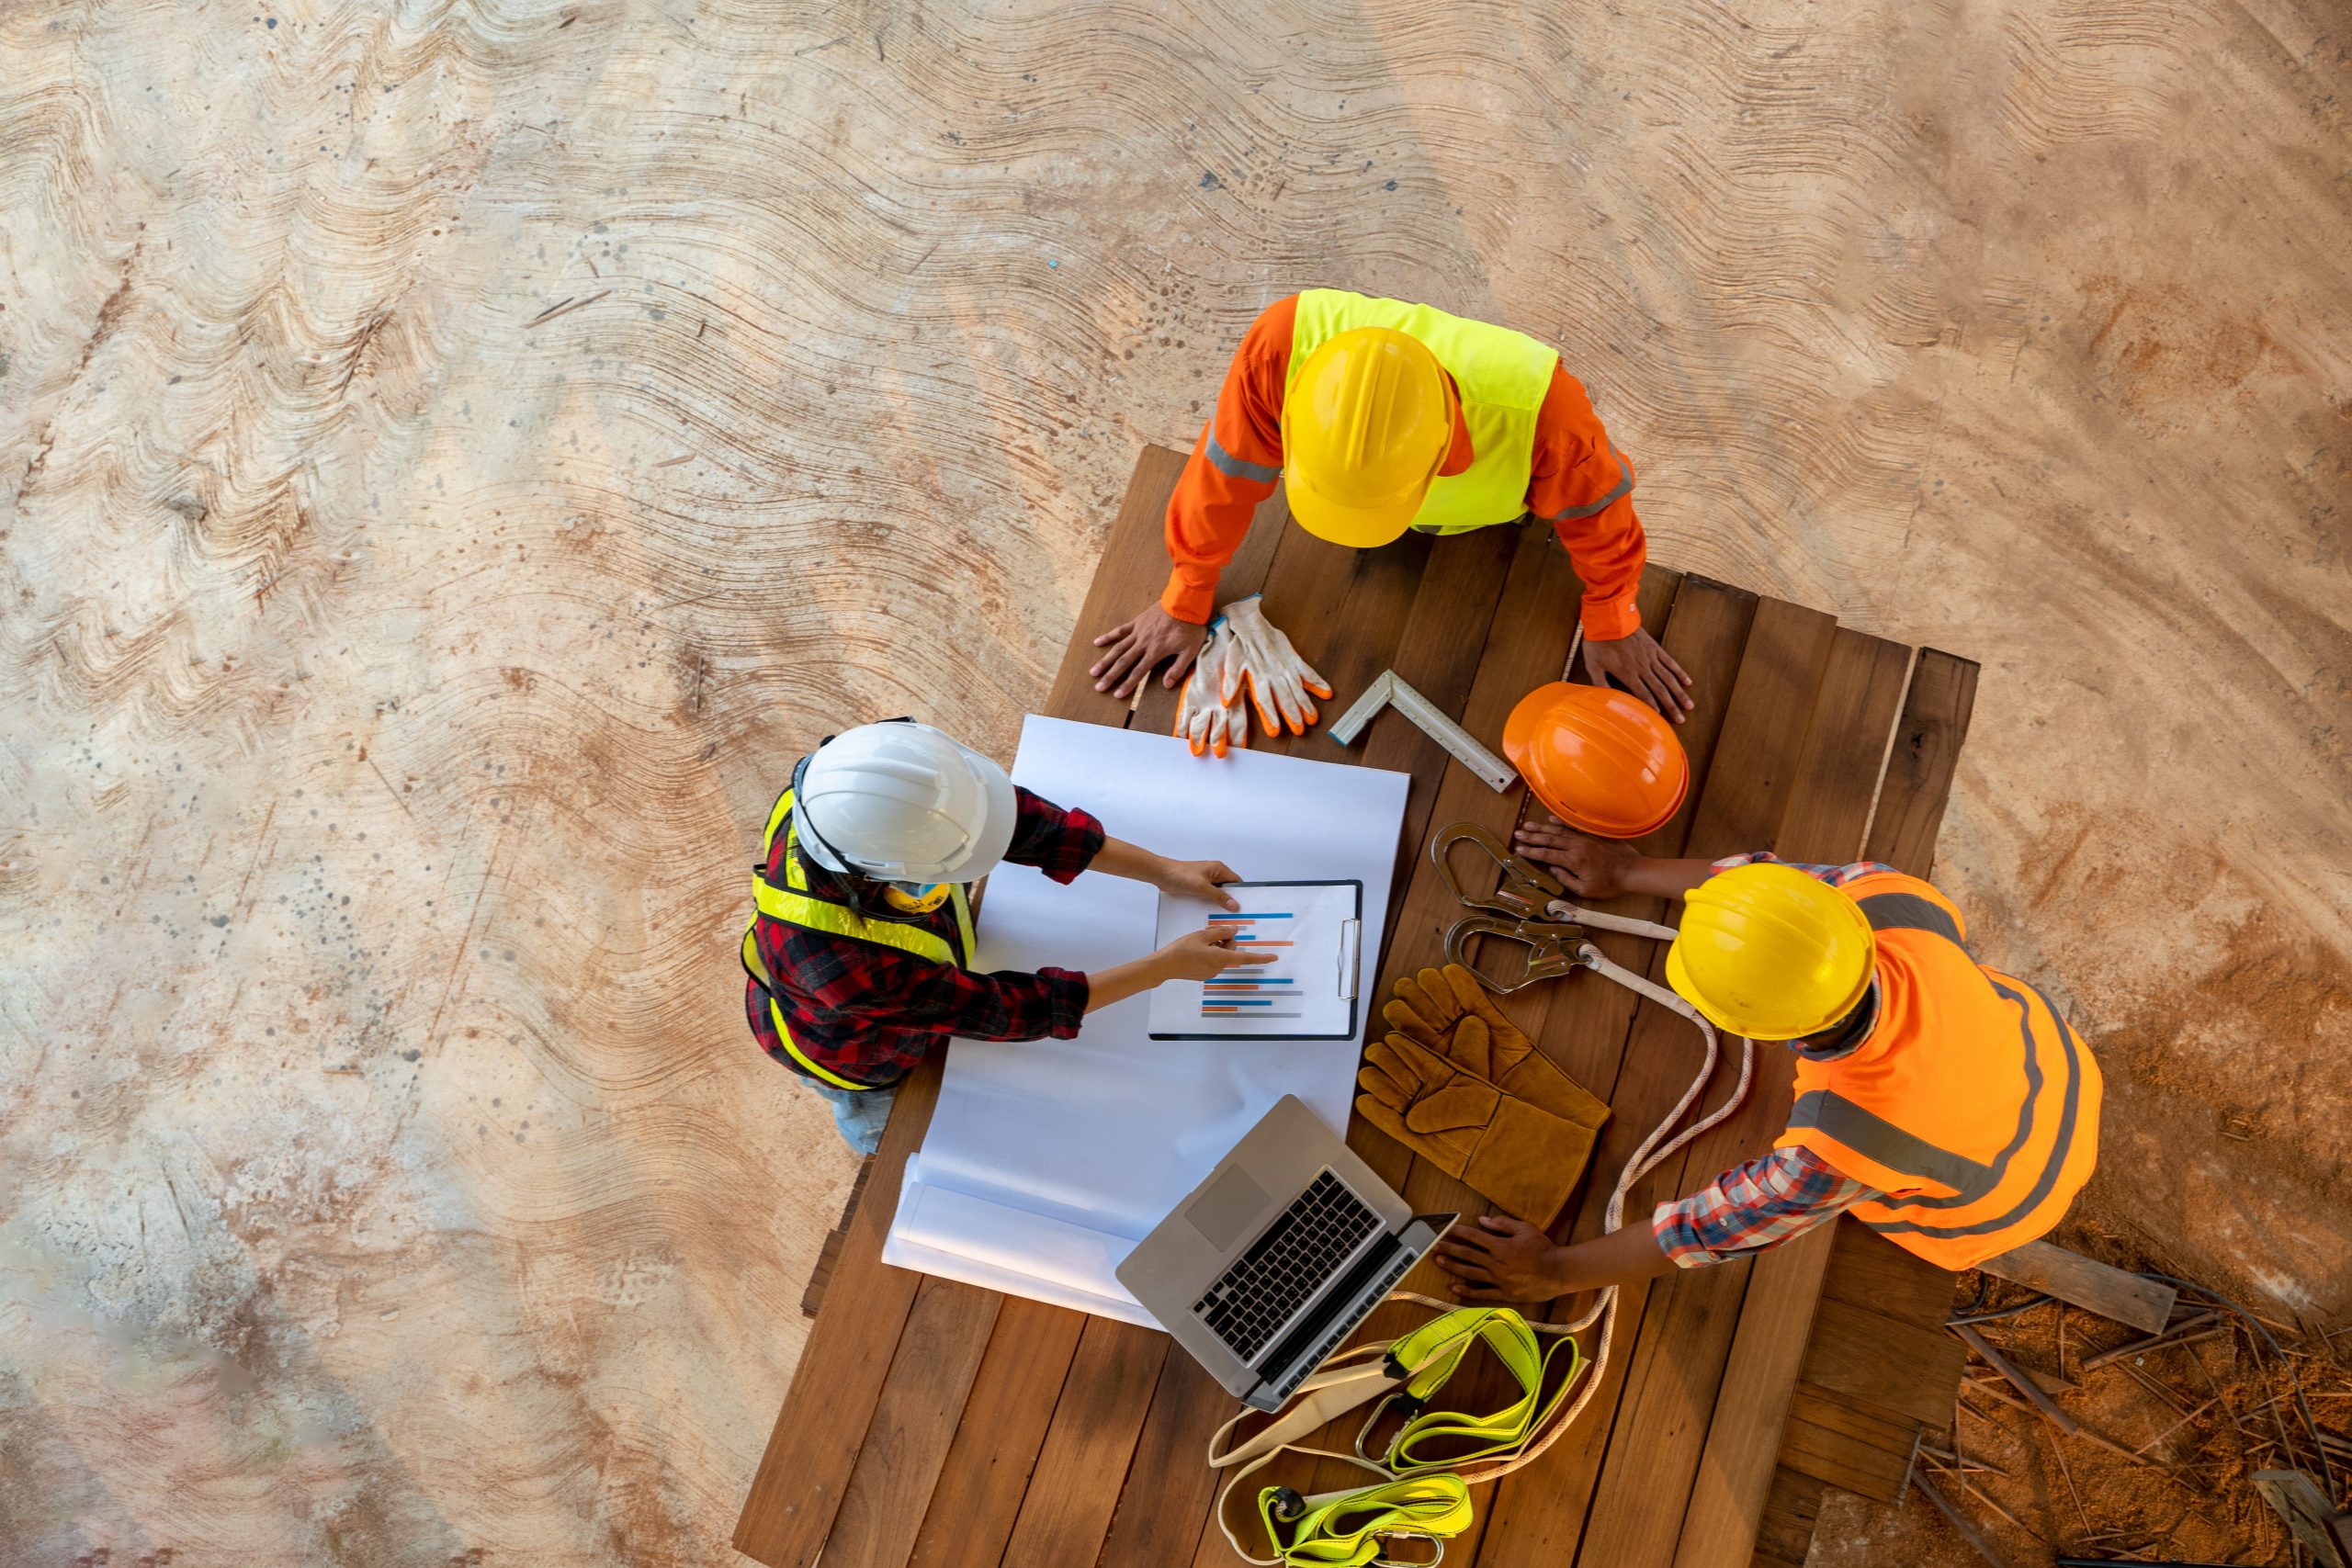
x=1309 y=993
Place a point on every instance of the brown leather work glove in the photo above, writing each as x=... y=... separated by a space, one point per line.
x=1431 y=1006
x=1518 y=1155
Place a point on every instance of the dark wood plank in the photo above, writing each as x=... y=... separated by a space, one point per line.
x=812 y=1295
x=1345 y=611
x=986 y=1474
x=915 y=1419
x=1744 y=1437
x=1853 y=718
x=1169 y=1487
x=1784 y=1539
x=1101 y=1413
x=1919 y=768
x=1597 y=1035
x=1133 y=570
x=2143 y=1305
x=797 y=1488
x=1904 y=1368
x=1839 y=1444
x=1678 y=1345
x=1854 y=723
x=1870 y=1271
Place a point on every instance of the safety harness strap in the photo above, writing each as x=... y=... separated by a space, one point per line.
x=1353 y=1529
x=795 y=906
x=1512 y=1340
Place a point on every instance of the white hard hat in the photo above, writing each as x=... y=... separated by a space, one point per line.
x=901 y=802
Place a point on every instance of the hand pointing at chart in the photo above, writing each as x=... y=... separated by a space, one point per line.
x=1200 y=954
x=1177 y=878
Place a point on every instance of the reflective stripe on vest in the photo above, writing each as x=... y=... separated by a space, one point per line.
x=795 y=906
x=1501 y=375
x=1971 y=1104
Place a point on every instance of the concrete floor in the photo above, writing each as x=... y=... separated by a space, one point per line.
x=454 y=457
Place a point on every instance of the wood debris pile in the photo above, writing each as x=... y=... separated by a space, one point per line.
x=2078 y=1438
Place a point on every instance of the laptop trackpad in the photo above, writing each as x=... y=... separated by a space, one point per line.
x=1223 y=1213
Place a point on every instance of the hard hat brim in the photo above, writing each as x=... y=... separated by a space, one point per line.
x=1357 y=527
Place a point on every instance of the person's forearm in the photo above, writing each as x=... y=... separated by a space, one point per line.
x=1624 y=1254
x=1664 y=878
x=1120 y=858
x=1121 y=981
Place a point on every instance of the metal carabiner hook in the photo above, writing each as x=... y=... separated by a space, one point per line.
x=1554 y=949
x=1524 y=889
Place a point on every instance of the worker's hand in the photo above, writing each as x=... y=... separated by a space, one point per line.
x=1197 y=879
x=1138 y=644
x=1641 y=667
x=1204 y=954
x=1500 y=1259
x=1592 y=868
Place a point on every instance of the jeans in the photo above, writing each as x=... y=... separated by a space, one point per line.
x=860 y=1113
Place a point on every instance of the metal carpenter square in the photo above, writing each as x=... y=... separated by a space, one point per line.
x=1393 y=690
x=1348 y=725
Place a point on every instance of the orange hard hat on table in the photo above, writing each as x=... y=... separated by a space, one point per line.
x=1367 y=425
x=1604 y=761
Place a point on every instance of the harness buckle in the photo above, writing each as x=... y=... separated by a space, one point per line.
x=1388 y=1537
x=1286 y=1505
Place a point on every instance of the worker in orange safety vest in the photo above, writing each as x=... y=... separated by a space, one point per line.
x=1942 y=1103
x=1383 y=415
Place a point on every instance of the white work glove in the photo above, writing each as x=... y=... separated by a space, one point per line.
x=1207 y=718
x=1279 y=679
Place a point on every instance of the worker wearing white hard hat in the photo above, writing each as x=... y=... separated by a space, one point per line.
x=859 y=957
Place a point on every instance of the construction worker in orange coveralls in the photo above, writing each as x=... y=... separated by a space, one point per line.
x=1384 y=415
x=1944 y=1104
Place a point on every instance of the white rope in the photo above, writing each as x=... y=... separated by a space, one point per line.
x=1653 y=1151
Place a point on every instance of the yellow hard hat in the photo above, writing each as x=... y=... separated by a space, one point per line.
x=1366 y=425
x=1770 y=952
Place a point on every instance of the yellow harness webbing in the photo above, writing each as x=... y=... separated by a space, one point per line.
x=1353 y=1529
x=1409 y=1373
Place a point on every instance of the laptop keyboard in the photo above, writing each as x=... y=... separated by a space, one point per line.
x=1296 y=1255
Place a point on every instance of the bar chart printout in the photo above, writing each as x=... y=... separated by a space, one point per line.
x=1309 y=992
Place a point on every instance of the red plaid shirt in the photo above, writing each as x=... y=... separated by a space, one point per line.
x=870 y=1012
x=1756 y=1206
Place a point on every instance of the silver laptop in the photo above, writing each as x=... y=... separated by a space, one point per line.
x=1268 y=1264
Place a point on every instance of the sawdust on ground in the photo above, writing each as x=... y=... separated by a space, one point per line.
x=453 y=457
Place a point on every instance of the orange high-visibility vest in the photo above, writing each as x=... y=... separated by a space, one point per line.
x=1970 y=1103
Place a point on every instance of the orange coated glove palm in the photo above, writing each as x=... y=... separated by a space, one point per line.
x=1523 y=1157
x=1280 y=681
x=1206 y=719
x=1431 y=1007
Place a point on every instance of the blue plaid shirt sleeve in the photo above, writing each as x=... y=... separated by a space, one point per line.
x=1753 y=1208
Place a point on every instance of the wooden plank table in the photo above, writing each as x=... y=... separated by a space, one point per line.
x=933 y=1423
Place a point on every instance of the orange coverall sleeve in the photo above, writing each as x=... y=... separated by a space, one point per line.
x=1235 y=461
x=1583 y=486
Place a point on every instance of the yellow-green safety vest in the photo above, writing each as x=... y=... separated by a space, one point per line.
x=1503 y=376
x=795 y=906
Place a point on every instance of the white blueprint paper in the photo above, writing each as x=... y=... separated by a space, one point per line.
x=1047 y=1160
